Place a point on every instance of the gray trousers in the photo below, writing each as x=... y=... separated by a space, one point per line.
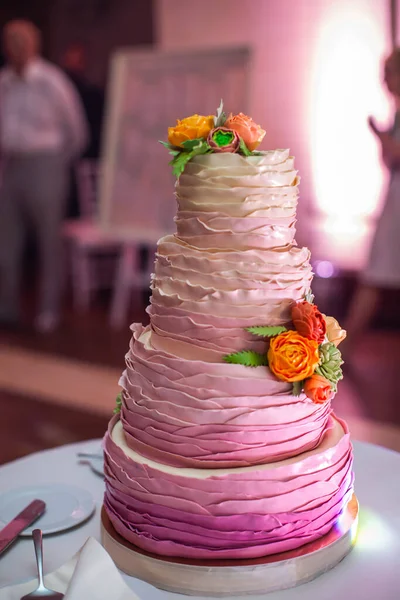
x=32 y=193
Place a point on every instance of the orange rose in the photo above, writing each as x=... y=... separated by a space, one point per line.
x=334 y=332
x=318 y=389
x=250 y=132
x=308 y=321
x=292 y=357
x=190 y=128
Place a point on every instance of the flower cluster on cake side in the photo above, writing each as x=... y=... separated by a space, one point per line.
x=307 y=355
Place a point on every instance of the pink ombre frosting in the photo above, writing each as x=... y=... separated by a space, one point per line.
x=233 y=262
x=191 y=465
x=208 y=297
x=182 y=404
x=193 y=412
x=227 y=513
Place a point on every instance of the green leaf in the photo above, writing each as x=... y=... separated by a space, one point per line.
x=297 y=388
x=170 y=146
x=248 y=358
x=173 y=150
x=243 y=148
x=309 y=297
x=265 y=331
x=118 y=401
x=191 y=144
x=179 y=162
x=219 y=120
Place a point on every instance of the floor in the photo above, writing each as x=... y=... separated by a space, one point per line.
x=61 y=387
x=30 y=424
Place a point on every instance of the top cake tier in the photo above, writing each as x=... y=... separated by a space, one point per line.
x=230 y=201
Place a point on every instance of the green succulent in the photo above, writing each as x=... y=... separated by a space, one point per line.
x=330 y=361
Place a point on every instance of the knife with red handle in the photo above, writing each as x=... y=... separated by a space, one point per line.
x=25 y=518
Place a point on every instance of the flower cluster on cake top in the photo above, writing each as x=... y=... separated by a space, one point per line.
x=200 y=134
x=306 y=356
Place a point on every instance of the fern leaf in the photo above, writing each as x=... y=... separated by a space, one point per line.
x=266 y=331
x=248 y=358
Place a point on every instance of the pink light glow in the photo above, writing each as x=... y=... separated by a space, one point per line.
x=324 y=269
x=345 y=89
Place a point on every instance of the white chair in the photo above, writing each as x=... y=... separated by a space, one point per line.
x=132 y=273
x=91 y=252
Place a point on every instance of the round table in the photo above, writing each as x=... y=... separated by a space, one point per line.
x=371 y=571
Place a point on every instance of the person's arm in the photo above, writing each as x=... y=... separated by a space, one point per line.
x=390 y=151
x=389 y=146
x=72 y=115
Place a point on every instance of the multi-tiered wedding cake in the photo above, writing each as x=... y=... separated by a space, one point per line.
x=225 y=446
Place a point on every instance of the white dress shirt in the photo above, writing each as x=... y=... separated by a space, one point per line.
x=40 y=111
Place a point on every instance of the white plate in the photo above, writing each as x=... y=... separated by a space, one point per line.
x=66 y=506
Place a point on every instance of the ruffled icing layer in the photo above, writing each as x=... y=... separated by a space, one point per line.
x=191 y=466
x=227 y=513
x=231 y=201
x=192 y=412
x=219 y=293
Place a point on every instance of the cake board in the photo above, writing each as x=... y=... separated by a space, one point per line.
x=225 y=578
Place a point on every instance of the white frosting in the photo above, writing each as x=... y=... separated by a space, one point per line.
x=330 y=440
x=231 y=201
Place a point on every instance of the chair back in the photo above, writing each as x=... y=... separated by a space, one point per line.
x=148 y=91
x=87 y=180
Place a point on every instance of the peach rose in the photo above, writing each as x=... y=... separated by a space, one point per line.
x=190 y=128
x=250 y=132
x=334 y=332
x=292 y=357
x=308 y=321
x=318 y=389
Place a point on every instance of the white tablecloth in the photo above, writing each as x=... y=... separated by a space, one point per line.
x=370 y=572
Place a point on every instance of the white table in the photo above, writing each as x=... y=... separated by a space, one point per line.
x=370 y=572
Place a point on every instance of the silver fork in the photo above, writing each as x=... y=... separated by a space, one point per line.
x=41 y=591
x=89 y=455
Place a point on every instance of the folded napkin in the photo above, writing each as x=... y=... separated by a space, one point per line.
x=89 y=575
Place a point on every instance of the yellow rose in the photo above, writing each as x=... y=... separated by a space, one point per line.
x=190 y=128
x=292 y=357
x=334 y=332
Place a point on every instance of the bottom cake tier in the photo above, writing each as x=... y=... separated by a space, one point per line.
x=235 y=513
x=239 y=577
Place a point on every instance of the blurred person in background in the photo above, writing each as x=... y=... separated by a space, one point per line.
x=74 y=63
x=42 y=129
x=383 y=269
